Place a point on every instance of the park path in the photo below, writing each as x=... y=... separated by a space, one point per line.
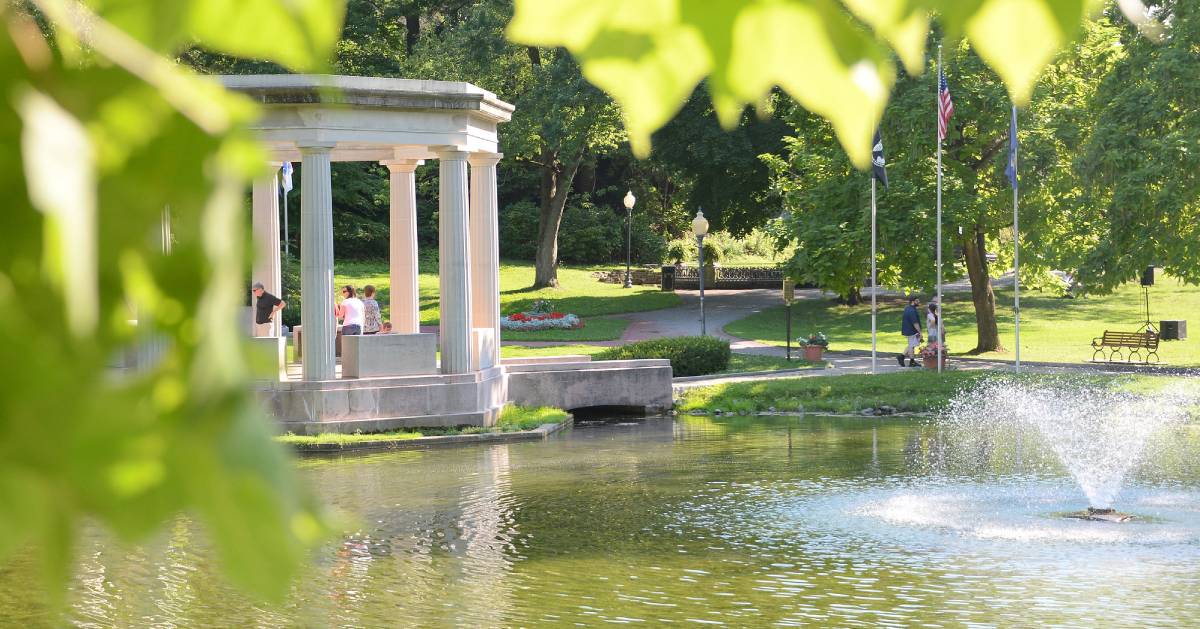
x=726 y=306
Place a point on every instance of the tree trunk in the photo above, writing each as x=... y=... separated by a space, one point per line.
x=412 y=32
x=556 y=185
x=988 y=336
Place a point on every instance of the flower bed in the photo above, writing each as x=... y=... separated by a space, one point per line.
x=540 y=321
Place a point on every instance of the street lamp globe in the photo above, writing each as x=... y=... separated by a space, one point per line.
x=700 y=224
x=629 y=201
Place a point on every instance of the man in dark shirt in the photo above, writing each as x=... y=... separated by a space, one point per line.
x=264 y=310
x=910 y=327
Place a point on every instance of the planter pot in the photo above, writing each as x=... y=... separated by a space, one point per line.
x=931 y=363
x=813 y=353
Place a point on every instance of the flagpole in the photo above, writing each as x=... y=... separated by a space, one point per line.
x=286 y=245
x=874 y=279
x=1016 y=250
x=940 y=312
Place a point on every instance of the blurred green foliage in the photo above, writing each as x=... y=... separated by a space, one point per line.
x=650 y=54
x=105 y=139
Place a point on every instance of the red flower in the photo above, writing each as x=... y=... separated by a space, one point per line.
x=557 y=315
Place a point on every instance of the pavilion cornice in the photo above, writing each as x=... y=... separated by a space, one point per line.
x=369 y=92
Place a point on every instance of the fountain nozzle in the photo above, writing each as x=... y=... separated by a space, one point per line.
x=1098 y=514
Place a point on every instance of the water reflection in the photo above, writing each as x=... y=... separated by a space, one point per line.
x=737 y=521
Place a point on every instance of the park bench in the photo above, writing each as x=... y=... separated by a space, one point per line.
x=1111 y=346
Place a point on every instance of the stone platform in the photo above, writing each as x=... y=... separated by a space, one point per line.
x=470 y=399
x=640 y=384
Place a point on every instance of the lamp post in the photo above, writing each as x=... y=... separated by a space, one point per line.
x=629 y=201
x=700 y=228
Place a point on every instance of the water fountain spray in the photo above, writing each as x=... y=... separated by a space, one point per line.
x=1098 y=433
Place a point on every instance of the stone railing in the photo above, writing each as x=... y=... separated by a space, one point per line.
x=640 y=276
x=731 y=278
x=686 y=277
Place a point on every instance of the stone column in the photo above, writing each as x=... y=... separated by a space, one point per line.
x=405 y=301
x=485 y=248
x=454 y=262
x=316 y=262
x=265 y=230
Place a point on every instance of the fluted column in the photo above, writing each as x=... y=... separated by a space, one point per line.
x=265 y=231
x=485 y=247
x=316 y=262
x=404 y=293
x=454 y=262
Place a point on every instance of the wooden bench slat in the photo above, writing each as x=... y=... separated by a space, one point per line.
x=1135 y=341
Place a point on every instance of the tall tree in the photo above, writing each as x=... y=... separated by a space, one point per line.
x=1140 y=167
x=720 y=169
x=561 y=122
x=829 y=201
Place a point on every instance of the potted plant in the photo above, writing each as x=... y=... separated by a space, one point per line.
x=929 y=355
x=814 y=346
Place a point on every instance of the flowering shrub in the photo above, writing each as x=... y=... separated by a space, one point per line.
x=541 y=306
x=930 y=351
x=819 y=339
x=540 y=321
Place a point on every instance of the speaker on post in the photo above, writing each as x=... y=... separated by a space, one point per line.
x=1173 y=330
x=1149 y=275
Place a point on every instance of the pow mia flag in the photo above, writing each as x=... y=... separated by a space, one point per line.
x=878 y=165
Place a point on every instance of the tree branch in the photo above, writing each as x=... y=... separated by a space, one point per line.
x=534 y=162
x=989 y=152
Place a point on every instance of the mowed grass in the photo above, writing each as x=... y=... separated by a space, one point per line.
x=1053 y=329
x=919 y=390
x=579 y=293
x=512 y=419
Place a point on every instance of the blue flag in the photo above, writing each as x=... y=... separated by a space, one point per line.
x=1011 y=170
x=286 y=176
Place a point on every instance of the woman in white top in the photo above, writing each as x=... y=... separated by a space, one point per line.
x=351 y=311
x=933 y=323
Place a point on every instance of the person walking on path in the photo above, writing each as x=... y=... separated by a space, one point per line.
x=265 y=307
x=372 y=321
x=933 y=323
x=351 y=310
x=910 y=327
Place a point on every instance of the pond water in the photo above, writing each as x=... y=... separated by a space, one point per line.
x=714 y=521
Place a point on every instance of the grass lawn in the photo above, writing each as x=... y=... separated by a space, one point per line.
x=1052 y=329
x=512 y=419
x=521 y=351
x=918 y=390
x=579 y=293
x=738 y=363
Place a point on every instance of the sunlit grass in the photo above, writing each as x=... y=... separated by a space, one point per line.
x=512 y=419
x=917 y=390
x=579 y=293
x=1052 y=328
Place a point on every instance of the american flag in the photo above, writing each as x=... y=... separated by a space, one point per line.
x=945 y=105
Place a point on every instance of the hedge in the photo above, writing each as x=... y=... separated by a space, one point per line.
x=689 y=355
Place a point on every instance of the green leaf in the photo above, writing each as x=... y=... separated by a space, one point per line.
x=302 y=33
x=649 y=57
x=1017 y=38
x=904 y=27
x=60 y=173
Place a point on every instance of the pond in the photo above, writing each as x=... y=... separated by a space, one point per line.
x=801 y=521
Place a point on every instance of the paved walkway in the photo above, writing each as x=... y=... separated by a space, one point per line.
x=726 y=306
